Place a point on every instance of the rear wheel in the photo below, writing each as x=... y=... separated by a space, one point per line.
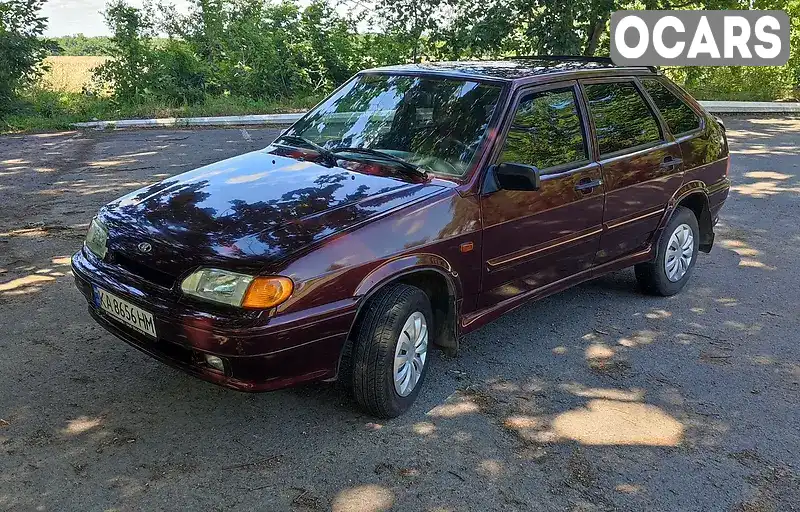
x=390 y=352
x=676 y=254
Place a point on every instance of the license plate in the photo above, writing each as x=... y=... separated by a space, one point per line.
x=125 y=312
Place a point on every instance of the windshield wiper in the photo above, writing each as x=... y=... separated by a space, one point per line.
x=297 y=140
x=331 y=155
x=405 y=164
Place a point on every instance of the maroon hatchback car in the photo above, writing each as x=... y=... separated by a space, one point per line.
x=413 y=205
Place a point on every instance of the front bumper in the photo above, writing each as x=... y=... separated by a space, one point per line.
x=258 y=356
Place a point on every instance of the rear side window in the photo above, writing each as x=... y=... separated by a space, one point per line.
x=679 y=116
x=546 y=131
x=622 y=119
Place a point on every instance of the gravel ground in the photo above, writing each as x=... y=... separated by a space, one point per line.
x=598 y=398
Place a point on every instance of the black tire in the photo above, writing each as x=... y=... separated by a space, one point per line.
x=652 y=276
x=374 y=346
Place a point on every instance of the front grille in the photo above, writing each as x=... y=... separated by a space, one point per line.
x=147 y=273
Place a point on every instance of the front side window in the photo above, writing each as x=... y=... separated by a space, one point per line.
x=546 y=131
x=679 y=116
x=435 y=123
x=622 y=119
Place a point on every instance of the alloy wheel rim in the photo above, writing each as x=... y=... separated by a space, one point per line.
x=410 y=354
x=680 y=251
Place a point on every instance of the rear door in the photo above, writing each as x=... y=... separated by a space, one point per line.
x=641 y=164
x=702 y=141
x=534 y=238
x=685 y=124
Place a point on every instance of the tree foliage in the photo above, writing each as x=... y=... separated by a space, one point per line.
x=80 y=45
x=133 y=69
x=21 y=46
x=547 y=27
x=247 y=48
x=271 y=50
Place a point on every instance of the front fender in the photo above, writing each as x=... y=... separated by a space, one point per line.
x=446 y=309
x=396 y=268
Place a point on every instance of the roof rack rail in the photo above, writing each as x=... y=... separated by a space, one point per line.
x=574 y=58
x=605 y=60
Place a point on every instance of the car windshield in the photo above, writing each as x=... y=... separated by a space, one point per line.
x=436 y=124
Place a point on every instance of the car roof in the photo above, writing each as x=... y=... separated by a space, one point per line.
x=517 y=68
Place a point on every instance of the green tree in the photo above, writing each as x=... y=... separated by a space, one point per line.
x=793 y=10
x=131 y=70
x=409 y=21
x=548 y=27
x=21 y=46
x=330 y=43
x=266 y=51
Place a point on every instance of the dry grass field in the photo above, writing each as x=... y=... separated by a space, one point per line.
x=70 y=73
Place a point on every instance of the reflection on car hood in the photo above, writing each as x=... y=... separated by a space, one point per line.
x=248 y=211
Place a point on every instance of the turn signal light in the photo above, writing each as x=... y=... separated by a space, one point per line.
x=267 y=292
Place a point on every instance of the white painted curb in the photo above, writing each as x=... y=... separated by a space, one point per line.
x=715 y=107
x=263 y=119
x=750 y=107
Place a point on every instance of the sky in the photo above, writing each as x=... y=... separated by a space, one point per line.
x=68 y=17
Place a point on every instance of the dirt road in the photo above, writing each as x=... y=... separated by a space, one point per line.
x=598 y=398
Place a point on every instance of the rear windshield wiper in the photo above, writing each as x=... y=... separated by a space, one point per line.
x=302 y=141
x=405 y=164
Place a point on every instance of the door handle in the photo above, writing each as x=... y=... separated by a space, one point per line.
x=587 y=186
x=670 y=163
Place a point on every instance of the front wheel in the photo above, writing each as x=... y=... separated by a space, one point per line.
x=676 y=254
x=390 y=353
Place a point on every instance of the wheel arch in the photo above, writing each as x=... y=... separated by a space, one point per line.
x=694 y=196
x=433 y=275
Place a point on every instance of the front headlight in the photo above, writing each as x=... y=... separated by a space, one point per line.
x=240 y=290
x=97 y=238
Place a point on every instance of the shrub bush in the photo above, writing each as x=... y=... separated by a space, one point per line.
x=736 y=82
x=21 y=47
x=243 y=48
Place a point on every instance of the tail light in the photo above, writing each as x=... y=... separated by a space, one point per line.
x=725 y=141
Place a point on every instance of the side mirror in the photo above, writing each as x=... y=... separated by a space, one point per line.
x=511 y=176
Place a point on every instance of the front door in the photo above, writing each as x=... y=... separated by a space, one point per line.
x=535 y=238
x=642 y=166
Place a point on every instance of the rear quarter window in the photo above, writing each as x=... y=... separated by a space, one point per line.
x=679 y=116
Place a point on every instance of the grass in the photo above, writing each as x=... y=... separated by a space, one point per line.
x=737 y=83
x=61 y=98
x=45 y=110
x=712 y=93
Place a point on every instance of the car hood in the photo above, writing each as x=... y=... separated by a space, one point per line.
x=250 y=211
